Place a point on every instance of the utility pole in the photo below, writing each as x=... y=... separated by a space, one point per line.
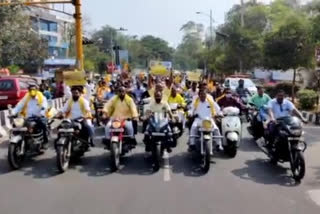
x=79 y=46
x=242 y=26
x=211 y=29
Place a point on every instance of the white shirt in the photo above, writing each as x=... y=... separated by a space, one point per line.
x=193 y=94
x=216 y=105
x=203 y=110
x=75 y=109
x=282 y=110
x=67 y=91
x=33 y=109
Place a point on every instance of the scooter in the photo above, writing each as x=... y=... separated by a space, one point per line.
x=231 y=129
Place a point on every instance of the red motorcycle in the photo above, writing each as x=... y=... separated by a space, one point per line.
x=120 y=143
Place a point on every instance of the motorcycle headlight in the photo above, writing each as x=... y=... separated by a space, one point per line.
x=207 y=124
x=66 y=125
x=18 y=122
x=116 y=124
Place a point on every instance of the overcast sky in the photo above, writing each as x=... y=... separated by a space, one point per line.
x=162 y=18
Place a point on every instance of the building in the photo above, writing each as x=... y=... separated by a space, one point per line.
x=54 y=28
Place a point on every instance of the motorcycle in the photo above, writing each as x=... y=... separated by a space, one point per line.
x=288 y=146
x=257 y=120
x=26 y=138
x=160 y=137
x=99 y=105
x=231 y=130
x=204 y=142
x=120 y=144
x=72 y=142
x=178 y=125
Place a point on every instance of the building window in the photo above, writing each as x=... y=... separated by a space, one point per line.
x=48 y=26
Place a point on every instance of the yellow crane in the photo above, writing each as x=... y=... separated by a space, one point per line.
x=77 y=16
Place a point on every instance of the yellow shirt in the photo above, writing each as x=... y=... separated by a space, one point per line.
x=178 y=99
x=121 y=109
x=165 y=93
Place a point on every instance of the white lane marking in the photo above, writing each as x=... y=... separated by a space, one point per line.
x=315 y=196
x=166 y=167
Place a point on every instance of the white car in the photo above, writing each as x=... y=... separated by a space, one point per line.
x=233 y=83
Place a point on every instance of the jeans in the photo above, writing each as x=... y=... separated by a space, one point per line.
x=88 y=125
x=42 y=124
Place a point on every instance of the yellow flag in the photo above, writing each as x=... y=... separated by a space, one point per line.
x=72 y=78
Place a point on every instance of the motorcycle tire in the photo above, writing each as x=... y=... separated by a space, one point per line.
x=15 y=160
x=232 y=151
x=115 y=157
x=298 y=166
x=62 y=159
x=156 y=154
x=206 y=158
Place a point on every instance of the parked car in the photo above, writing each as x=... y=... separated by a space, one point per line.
x=13 y=89
x=233 y=83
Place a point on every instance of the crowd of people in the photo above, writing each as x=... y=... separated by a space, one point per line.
x=123 y=96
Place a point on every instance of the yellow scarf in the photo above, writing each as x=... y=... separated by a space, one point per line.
x=127 y=100
x=82 y=107
x=39 y=97
x=213 y=111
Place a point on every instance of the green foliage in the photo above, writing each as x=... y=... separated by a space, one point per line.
x=13 y=69
x=286 y=87
x=20 y=45
x=93 y=58
x=307 y=99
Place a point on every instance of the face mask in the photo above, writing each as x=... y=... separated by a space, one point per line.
x=33 y=93
x=75 y=98
x=228 y=95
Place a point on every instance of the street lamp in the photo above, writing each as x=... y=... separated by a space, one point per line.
x=211 y=21
x=111 y=41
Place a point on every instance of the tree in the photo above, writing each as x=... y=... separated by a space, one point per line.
x=19 y=44
x=289 y=46
x=189 y=54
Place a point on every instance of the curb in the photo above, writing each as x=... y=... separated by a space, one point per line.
x=310 y=116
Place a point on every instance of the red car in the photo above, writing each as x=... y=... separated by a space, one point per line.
x=13 y=89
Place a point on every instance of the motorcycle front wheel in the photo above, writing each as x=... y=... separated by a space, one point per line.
x=206 y=158
x=115 y=156
x=62 y=158
x=156 y=155
x=298 y=166
x=15 y=158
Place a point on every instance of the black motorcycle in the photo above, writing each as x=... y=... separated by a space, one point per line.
x=288 y=145
x=26 y=138
x=72 y=142
x=160 y=137
x=98 y=106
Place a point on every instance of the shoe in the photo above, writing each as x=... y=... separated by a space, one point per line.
x=220 y=148
x=45 y=145
x=191 y=148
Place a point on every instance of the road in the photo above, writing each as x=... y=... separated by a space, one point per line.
x=246 y=184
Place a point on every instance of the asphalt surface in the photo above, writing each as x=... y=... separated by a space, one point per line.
x=246 y=184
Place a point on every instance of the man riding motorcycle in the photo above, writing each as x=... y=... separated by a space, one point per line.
x=157 y=105
x=78 y=107
x=121 y=107
x=227 y=100
x=202 y=108
x=241 y=90
x=259 y=101
x=34 y=104
x=278 y=108
x=102 y=90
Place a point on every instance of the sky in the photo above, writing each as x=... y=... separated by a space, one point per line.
x=161 y=18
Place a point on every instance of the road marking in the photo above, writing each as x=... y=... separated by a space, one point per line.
x=166 y=167
x=315 y=196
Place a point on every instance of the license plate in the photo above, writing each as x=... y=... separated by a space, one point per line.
x=3 y=97
x=115 y=139
x=158 y=134
x=117 y=130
